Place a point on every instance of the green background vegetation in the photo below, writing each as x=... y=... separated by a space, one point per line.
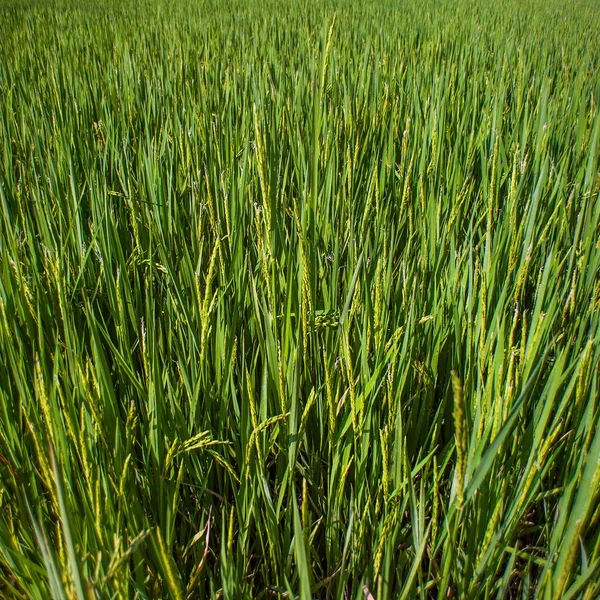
x=299 y=300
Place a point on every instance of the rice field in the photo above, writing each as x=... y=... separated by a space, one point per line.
x=299 y=300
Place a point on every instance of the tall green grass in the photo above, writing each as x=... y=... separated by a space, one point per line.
x=299 y=300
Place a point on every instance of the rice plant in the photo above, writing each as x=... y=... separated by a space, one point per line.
x=299 y=300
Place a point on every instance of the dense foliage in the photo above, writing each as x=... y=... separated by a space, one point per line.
x=299 y=299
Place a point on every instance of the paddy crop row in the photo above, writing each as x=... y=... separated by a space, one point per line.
x=299 y=300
